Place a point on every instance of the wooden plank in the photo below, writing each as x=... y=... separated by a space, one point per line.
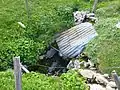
x=116 y=78
x=27 y=9
x=17 y=73
x=24 y=68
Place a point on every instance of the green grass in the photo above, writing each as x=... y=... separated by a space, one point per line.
x=50 y=17
x=46 y=19
x=105 y=49
x=36 y=81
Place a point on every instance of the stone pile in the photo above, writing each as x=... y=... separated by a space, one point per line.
x=95 y=80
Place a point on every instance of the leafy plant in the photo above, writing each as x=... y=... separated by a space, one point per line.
x=36 y=81
x=105 y=48
x=46 y=19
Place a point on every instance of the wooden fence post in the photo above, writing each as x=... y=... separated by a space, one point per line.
x=27 y=9
x=17 y=73
x=116 y=78
x=94 y=6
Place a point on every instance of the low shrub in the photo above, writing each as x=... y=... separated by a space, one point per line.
x=104 y=49
x=46 y=19
x=36 y=81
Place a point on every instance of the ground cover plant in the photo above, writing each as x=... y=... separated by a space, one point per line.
x=37 y=81
x=45 y=19
x=105 y=48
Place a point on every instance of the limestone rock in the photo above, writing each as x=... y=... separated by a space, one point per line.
x=88 y=64
x=87 y=73
x=74 y=64
x=96 y=87
x=100 y=79
x=112 y=84
x=79 y=16
x=109 y=88
x=106 y=75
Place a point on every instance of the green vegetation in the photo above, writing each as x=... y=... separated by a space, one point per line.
x=105 y=49
x=46 y=19
x=36 y=81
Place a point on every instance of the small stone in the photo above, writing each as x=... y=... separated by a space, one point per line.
x=112 y=84
x=100 y=79
x=118 y=25
x=77 y=64
x=96 y=87
x=79 y=16
x=106 y=75
x=87 y=73
x=21 y=24
x=91 y=64
x=90 y=15
x=109 y=88
x=41 y=57
x=74 y=64
x=86 y=64
x=92 y=68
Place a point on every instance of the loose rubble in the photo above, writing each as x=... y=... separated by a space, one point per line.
x=74 y=64
x=97 y=81
x=83 y=16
